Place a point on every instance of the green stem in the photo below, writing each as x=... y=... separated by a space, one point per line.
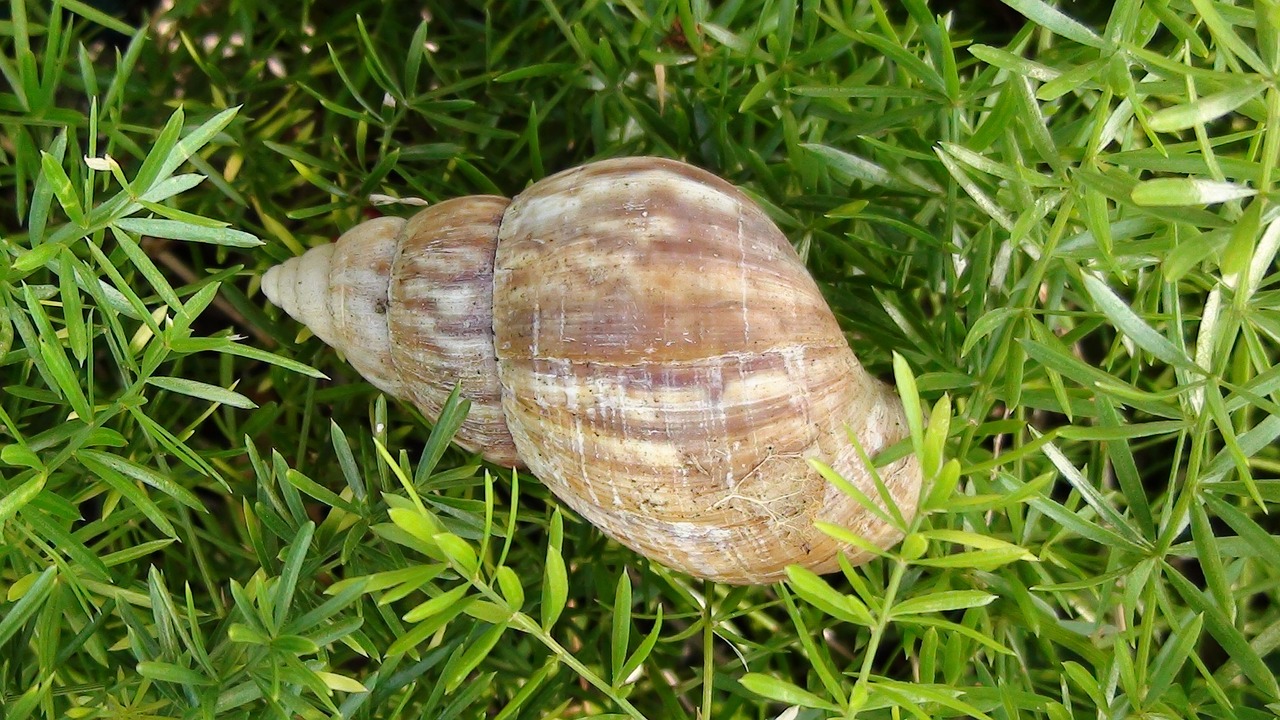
x=523 y=622
x=708 y=651
x=877 y=632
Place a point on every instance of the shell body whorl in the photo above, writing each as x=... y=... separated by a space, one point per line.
x=641 y=336
x=669 y=367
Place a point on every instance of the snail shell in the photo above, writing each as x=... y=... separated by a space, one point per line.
x=639 y=335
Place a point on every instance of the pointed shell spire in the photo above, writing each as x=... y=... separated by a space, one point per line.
x=339 y=291
x=409 y=304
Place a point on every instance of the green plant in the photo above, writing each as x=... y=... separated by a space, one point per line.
x=1059 y=236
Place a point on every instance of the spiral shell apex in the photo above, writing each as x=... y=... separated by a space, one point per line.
x=638 y=334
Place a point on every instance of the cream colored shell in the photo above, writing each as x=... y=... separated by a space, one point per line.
x=644 y=339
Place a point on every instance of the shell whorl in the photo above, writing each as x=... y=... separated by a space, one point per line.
x=441 y=318
x=339 y=291
x=641 y=336
x=669 y=367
